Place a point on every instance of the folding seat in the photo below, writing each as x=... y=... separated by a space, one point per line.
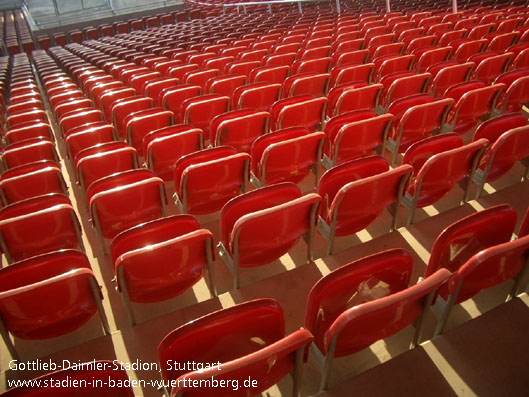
x=392 y=64
x=431 y=57
x=199 y=111
x=252 y=55
x=463 y=49
x=102 y=373
x=348 y=185
x=352 y=74
x=401 y=85
x=446 y=38
x=449 y=161
x=279 y=59
x=449 y=76
x=349 y=57
x=200 y=58
x=239 y=128
x=206 y=179
x=163 y=67
x=179 y=247
x=225 y=85
x=347 y=45
x=46 y=296
x=125 y=107
x=31 y=104
x=138 y=124
x=139 y=81
x=29 y=151
x=17 y=119
x=493 y=128
x=500 y=42
x=28 y=131
x=345 y=320
x=351 y=97
x=422 y=116
x=88 y=135
x=471 y=234
x=353 y=135
x=417 y=43
x=123 y=200
x=269 y=74
x=510 y=147
x=314 y=53
x=490 y=68
x=102 y=160
x=199 y=77
x=473 y=100
x=316 y=65
x=410 y=34
x=218 y=62
x=485 y=269
x=266 y=361
x=286 y=156
x=386 y=49
x=108 y=98
x=31 y=180
x=241 y=67
x=76 y=118
x=313 y=84
x=179 y=71
x=163 y=147
x=480 y=31
x=37 y=225
x=70 y=106
x=521 y=61
x=97 y=90
x=249 y=225
x=299 y=111
x=257 y=96
x=62 y=96
x=517 y=92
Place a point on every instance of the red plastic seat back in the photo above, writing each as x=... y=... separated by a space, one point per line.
x=172 y=99
x=140 y=124
x=163 y=147
x=209 y=178
x=47 y=295
x=438 y=174
x=286 y=155
x=350 y=218
x=28 y=151
x=462 y=239
x=421 y=120
x=124 y=108
x=103 y=160
x=360 y=98
x=509 y=148
x=257 y=96
x=382 y=303
x=31 y=180
x=110 y=97
x=493 y=128
x=472 y=105
x=246 y=328
x=490 y=267
x=124 y=200
x=256 y=233
x=29 y=131
x=239 y=128
x=449 y=76
x=32 y=231
x=516 y=94
x=225 y=85
x=313 y=84
x=87 y=136
x=200 y=111
x=180 y=264
x=300 y=111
